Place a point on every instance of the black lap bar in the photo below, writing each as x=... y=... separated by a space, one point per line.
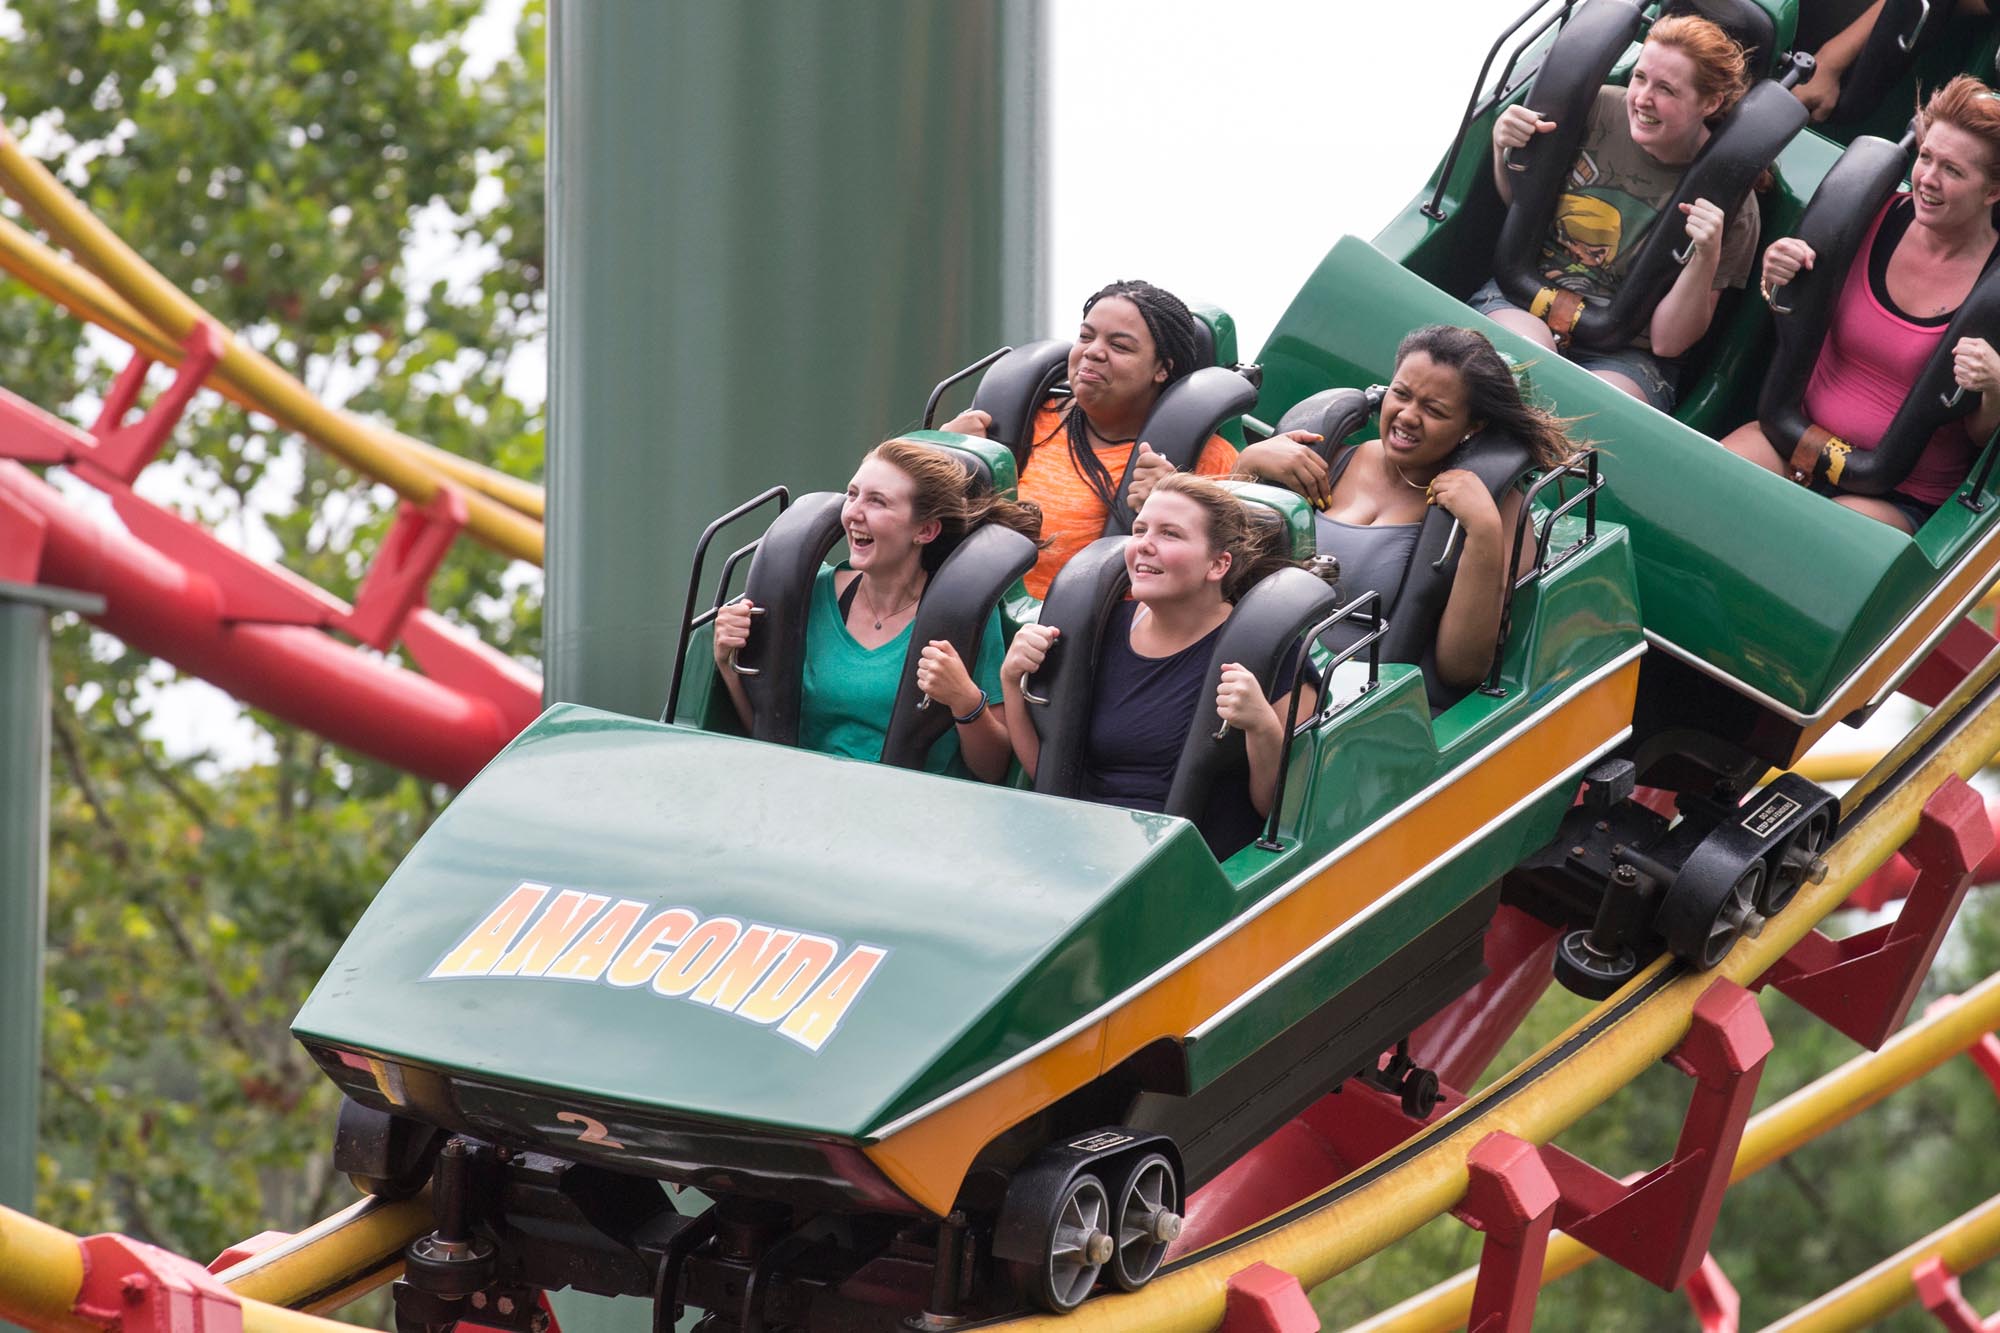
x=1259 y=634
x=958 y=601
x=1178 y=427
x=780 y=583
x=1079 y=602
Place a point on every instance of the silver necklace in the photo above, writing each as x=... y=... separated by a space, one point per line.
x=881 y=615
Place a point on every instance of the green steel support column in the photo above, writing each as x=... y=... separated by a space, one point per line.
x=774 y=224
x=24 y=846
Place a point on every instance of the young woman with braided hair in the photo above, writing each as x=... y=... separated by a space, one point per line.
x=1135 y=340
x=906 y=508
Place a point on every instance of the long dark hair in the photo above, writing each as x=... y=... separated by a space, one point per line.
x=1491 y=392
x=1174 y=341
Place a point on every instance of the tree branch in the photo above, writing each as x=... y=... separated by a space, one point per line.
x=121 y=853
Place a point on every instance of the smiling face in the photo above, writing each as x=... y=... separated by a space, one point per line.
x=880 y=520
x=1115 y=370
x=1663 y=108
x=1952 y=182
x=1169 y=555
x=1425 y=415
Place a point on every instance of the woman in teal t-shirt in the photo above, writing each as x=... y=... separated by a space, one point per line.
x=903 y=499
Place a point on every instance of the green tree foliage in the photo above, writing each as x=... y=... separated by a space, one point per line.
x=283 y=162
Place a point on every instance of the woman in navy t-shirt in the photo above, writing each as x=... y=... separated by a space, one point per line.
x=1193 y=551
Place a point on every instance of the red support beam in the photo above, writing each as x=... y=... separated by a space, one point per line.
x=399 y=578
x=1937 y=1288
x=1949 y=663
x=444 y=725
x=1865 y=984
x=1465 y=1036
x=1263 y=1299
x=1713 y=1298
x=1658 y=1226
x=1512 y=1199
x=124 y=448
x=138 y=1288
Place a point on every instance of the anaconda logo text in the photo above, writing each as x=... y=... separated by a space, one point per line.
x=766 y=974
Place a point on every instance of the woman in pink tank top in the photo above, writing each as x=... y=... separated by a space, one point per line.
x=1917 y=264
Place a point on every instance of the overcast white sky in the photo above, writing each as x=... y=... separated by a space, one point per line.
x=1282 y=126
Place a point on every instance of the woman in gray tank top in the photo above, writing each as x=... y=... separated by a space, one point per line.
x=1449 y=385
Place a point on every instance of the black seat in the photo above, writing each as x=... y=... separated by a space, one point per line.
x=1748 y=24
x=1180 y=425
x=958 y=601
x=1835 y=223
x=1902 y=30
x=1742 y=145
x=1497 y=459
x=1014 y=388
x=1260 y=633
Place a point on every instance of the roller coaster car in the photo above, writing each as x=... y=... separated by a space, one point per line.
x=931 y=1046
x=1774 y=614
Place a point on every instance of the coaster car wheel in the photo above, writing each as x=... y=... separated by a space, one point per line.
x=1078 y=1244
x=1148 y=1217
x=1585 y=970
x=1796 y=863
x=1702 y=925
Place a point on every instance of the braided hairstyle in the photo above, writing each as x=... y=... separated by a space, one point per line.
x=1172 y=325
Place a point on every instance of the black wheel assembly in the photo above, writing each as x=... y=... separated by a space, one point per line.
x=1148 y=1219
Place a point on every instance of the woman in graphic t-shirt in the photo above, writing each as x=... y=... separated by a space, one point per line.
x=1641 y=138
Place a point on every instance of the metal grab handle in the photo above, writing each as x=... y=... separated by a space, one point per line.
x=1450 y=539
x=1685 y=253
x=1907 y=42
x=1220 y=732
x=1772 y=300
x=1950 y=400
x=1507 y=159
x=755 y=611
x=1027 y=694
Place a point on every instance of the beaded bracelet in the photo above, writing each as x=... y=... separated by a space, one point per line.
x=973 y=716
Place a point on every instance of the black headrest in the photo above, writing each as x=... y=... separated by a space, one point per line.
x=780 y=582
x=1014 y=388
x=1179 y=427
x=1079 y=602
x=1333 y=415
x=1902 y=30
x=1748 y=24
x=1204 y=344
x=1738 y=150
x=958 y=601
